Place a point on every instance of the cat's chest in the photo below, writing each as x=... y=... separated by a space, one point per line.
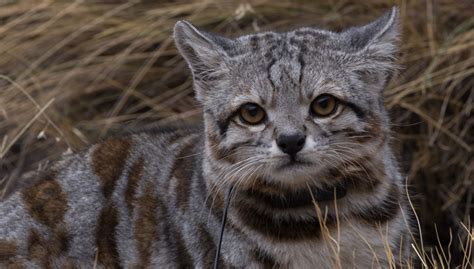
x=336 y=249
x=309 y=255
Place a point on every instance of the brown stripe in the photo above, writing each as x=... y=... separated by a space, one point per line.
x=46 y=201
x=59 y=242
x=7 y=250
x=208 y=247
x=266 y=260
x=172 y=238
x=146 y=225
x=108 y=161
x=37 y=250
x=45 y=250
x=105 y=238
x=184 y=258
x=136 y=173
x=182 y=172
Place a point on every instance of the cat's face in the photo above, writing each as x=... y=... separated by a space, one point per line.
x=289 y=107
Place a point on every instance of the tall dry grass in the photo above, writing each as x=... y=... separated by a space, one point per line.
x=73 y=71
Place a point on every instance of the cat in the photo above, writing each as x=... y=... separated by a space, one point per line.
x=292 y=163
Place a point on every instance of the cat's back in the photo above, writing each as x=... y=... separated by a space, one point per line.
x=93 y=205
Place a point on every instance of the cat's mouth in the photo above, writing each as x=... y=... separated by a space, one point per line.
x=294 y=163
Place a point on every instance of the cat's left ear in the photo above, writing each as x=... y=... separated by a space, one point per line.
x=377 y=41
x=205 y=54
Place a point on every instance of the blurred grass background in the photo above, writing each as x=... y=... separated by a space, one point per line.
x=72 y=72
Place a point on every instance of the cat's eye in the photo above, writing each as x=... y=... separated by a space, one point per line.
x=324 y=105
x=251 y=113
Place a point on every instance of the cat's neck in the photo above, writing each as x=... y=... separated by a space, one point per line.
x=266 y=193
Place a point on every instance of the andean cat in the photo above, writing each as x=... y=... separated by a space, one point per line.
x=293 y=121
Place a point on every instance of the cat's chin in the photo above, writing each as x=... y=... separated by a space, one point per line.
x=295 y=173
x=294 y=165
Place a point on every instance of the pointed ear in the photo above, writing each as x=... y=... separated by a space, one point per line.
x=375 y=47
x=377 y=40
x=204 y=53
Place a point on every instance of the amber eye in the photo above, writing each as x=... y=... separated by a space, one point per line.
x=324 y=105
x=251 y=114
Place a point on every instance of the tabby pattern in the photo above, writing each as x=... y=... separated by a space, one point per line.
x=332 y=199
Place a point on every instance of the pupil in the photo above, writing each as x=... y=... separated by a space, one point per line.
x=324 y=102
x=252 y=110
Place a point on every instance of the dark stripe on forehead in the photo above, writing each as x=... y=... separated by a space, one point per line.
x=269 y=67
x=303 y=50
x=108 y=161
x=105 y=237
x=46 y=201
x=290 y=79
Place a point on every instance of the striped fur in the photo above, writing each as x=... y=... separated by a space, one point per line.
x=155 y=199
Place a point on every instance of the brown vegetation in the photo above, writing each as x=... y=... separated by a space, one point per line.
x=73 y=71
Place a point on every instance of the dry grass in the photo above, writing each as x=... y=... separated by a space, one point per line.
x=72 y=71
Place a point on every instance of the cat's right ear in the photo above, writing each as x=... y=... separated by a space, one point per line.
x=204 y=53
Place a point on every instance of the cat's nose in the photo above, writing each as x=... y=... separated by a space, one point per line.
x=291 y=144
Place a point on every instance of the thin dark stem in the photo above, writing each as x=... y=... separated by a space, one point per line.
x=224 y=218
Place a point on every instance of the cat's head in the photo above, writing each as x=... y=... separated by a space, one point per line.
x=288 y=106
